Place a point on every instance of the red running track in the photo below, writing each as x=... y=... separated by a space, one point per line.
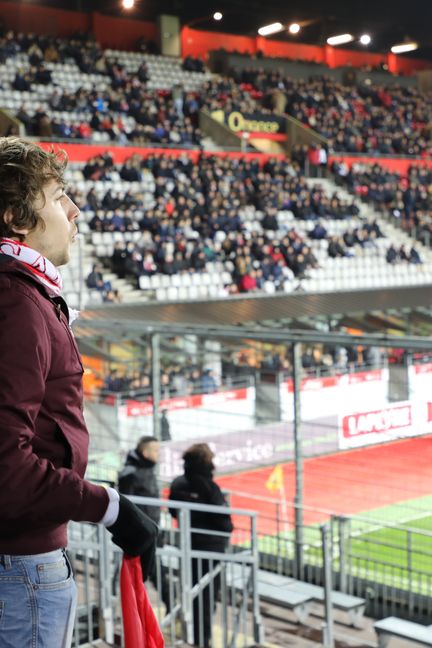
x=348 y=482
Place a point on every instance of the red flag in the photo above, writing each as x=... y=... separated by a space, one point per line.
x=141 y=628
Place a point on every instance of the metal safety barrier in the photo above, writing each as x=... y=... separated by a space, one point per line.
x=192 y=591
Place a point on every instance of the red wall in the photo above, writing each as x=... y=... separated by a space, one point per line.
x=278 y=49
x=43 y=20
x=122 y=33
x=110 y=31
x=200 y=43
x=83 y=152
x=409 y=66
x=336 y=57
x=399 y=165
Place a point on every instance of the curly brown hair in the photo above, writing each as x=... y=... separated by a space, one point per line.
x=25 y=169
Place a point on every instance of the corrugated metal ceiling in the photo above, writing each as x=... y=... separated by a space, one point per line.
x=275 y=309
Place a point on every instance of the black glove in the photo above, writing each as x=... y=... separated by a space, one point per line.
x=134 y=531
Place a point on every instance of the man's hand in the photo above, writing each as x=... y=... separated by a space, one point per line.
x=133 y=531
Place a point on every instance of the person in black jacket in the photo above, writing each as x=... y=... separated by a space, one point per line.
x=138 y=477
x=197 y=485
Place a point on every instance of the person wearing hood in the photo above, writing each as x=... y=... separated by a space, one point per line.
x=197 y=485
x=138 y=477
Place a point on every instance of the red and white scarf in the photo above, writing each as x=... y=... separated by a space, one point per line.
x=41 y=267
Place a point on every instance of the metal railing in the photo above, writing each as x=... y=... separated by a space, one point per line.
x=192 y=590
x=387 y=563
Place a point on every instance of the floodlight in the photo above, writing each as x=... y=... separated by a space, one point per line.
x=341 y=39
x=270 y=29
x=404 y=47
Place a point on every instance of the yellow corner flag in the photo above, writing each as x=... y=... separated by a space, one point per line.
x=275 y=482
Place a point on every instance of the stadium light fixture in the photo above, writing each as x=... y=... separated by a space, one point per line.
x=341 y=39
x=365 y=39
x=404 y=47
x=217 y=15
x=274 y=28
x=294 y=28
x=128 y=4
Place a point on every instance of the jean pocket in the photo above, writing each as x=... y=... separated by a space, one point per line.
x=54 y=574
x=2 y=606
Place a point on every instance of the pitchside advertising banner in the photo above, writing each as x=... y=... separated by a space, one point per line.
x=360 y=426
x=250 y=122
x=338 y=412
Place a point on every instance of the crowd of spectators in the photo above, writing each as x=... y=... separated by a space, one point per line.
x=216 y=210
x=407 y=199
x=401 y=254
x=160 y=117
x=357 y=119
x=176 y=379
x=237 y=369
x=360 y=118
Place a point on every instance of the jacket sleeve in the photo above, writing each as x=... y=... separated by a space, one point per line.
x=221 y=522
x=31 y=487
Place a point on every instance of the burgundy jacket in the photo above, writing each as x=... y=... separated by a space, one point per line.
x=43 y=436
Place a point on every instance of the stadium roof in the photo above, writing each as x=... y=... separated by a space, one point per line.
x=275 y=315
x=388 y=21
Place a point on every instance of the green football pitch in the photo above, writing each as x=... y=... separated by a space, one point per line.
x=391 y=545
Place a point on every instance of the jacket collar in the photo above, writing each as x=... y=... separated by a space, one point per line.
x=8 y=265
x=136 y=459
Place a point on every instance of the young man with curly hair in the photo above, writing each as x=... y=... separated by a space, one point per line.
x=43 y=435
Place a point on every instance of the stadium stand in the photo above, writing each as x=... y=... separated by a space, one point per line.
x=175 y=230
x=362 y=118
x=85 y=93
x=157 y=227
x=406 y=200
x=298 y=595
x=132 y=96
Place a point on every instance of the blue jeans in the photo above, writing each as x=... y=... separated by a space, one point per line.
x=37 y=601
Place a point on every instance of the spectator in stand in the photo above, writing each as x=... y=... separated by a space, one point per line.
x=313 y=160
x=191 y=64
x=391 y=254
x=165 y=426
x=113 y=382
x=208 y=382
x=22 y=81
x=318 y=232
x=96 y=281
x=414 y=256
x=336 y=248
x=24 y=117
x=43 y=75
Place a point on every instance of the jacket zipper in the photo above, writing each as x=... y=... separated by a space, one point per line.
x=65 y=324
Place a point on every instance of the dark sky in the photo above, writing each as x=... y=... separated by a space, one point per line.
x=389 y=21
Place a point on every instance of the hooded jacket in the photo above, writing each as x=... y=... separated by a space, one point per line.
x=196 y=485
x=43 y=436
x=138 y=478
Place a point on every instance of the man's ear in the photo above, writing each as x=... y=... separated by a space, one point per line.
x=8 y=218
